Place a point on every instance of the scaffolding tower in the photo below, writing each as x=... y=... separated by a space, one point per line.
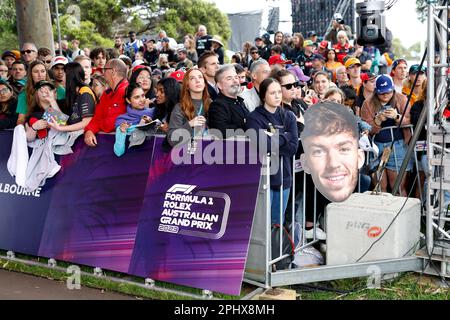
x=437 y=251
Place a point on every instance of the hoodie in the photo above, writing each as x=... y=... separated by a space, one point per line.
x=133 y=116
x=284 y=127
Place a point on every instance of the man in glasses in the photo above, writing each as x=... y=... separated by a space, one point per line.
x=28 y=52
x=254 y=54
x=112 y=102
x=45 y=55
x=259 y=71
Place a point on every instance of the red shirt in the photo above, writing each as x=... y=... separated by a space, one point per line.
x=111 y=105
x=342 y=51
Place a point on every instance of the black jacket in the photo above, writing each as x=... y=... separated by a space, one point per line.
x=212 y=92
x=227 y=113
x=285 y=126
x=8 y=119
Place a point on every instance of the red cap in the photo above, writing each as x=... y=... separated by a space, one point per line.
x=139 y=66
x=323 y=44
x=277 y=59
x=178 y=75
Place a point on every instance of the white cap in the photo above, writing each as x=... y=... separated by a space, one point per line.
x=59 y=60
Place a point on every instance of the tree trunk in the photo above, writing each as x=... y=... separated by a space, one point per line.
x=34 y=23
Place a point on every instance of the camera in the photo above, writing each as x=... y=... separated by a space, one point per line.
x=371 y=23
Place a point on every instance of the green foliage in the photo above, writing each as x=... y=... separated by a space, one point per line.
x=85 y=32
x=421 y=9
x=183 y=16
x=8 y=27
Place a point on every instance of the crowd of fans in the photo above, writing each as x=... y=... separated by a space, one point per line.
x=268 y=85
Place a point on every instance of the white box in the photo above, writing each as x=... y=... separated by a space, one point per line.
x=354 y=225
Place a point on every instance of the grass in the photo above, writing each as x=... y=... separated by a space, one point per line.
x=408 y=286
x=103 y=282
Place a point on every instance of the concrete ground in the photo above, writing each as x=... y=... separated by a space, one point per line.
x=19 y=286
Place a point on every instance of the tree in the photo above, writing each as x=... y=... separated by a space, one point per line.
x=183 y=16
x=84 y=31
x=8 y=26
x=421 y=9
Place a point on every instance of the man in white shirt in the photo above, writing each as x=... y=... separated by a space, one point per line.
x=260 y=70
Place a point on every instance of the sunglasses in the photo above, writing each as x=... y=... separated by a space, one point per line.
x=4 y=91
x=27 y=51
x=253 y=52
x=47 y=61
x=290 y=85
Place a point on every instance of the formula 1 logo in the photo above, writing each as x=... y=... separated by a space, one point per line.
x=201 y=213
x=185 y=188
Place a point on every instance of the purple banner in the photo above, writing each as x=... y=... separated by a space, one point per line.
x=141 y=213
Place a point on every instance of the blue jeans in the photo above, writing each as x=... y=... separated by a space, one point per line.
x=275 y=200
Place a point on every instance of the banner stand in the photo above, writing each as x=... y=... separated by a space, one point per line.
x=148 y=284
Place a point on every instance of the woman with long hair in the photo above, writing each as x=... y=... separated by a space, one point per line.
x=189 y=45
x=297 y=46
x=332 y=63
x=36 y=126
x=167 y=96
x=271 y=119
x=99 y=85
x=8 y=105
x=80 y=100
x=383 y=110
x=142 y=75
x=193 y=107
x=26 y=99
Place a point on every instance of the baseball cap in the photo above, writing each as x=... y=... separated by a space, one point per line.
x=352 y=61
x=415 y=69
x=366 y=76
x=157 y=72
x=165 y=40
x=277 y=59
x=6 y=83
x=384 y=84
x=258 y=39
x=397 y=62
x=58 y=60
x=43 y=83
x=318 y=57
x=8 y=54
x=307 y=43
x=311 y=34
x=298 y=72
x=178 y=75
x=323 y=44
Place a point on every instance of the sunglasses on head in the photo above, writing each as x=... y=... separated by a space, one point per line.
x=27 y=51
x=290 y=85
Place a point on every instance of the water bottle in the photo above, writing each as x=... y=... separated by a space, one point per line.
x=198 y=131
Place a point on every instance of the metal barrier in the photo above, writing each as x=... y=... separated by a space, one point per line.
x=259 y=268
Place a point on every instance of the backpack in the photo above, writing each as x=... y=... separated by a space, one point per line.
x=288 y=247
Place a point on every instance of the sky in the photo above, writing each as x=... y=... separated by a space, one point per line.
x=401 y=19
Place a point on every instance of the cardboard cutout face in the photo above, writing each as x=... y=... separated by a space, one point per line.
x=333 y=162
